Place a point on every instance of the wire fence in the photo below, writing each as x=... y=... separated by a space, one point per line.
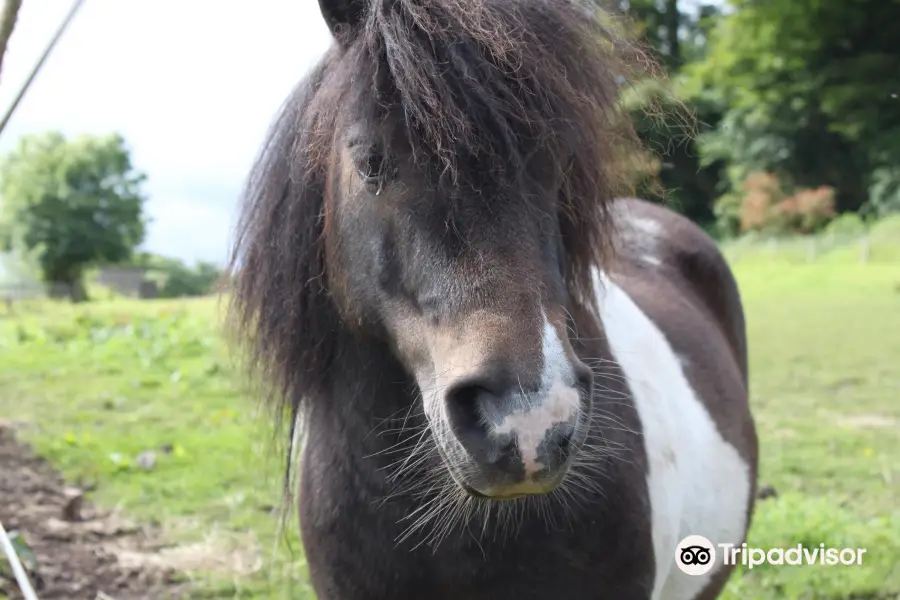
x=19 y=292
x=860 y=249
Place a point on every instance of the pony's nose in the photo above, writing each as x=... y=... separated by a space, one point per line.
x=508 y=425
x=469 y=406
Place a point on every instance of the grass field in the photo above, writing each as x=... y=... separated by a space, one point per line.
x=101 y=383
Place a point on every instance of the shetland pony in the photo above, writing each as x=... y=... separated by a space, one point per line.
x=506 y=381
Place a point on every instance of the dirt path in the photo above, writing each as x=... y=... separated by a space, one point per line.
x=74 y=544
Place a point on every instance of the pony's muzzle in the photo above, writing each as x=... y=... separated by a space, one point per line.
x=517 y=441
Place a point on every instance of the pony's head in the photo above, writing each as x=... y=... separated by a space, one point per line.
x=440 y=185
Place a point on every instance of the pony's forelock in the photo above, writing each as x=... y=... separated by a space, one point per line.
x=476 y=86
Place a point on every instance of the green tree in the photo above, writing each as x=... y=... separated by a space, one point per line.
x=810 y=90
x=72 y=204
x=676 y=32
x=175 y=278
x=675 y=29
x=183 y=281
x=660 y=24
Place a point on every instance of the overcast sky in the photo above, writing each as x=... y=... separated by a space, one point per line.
x=192 y=85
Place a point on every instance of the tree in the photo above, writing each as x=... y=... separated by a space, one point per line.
x=178 y=279
x=809 y=90
x=183 y=281
x=73 y=203
x=676 y=32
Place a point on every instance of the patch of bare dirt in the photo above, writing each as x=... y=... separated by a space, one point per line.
x=77 y=549
x=232 y=555
x=784 y=432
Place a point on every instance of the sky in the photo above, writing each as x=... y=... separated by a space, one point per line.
x=192 y=85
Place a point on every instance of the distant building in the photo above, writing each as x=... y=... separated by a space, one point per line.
x=128 y=281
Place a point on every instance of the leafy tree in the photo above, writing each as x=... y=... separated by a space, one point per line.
x=676 y=31
x=809 y=91
x=659 y=23
x=156 y=263
x=884 y=192
x=183 y=281
x=176 y=278
x=72 y=204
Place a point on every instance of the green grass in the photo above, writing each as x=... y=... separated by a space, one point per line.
x=104 y=382
x=825 y=388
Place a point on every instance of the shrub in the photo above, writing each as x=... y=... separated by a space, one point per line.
x=811 y=209
x=175 y=279
x=766 y=207
x=727 y=210
x=847 y=224
x=762 y=192
x=182 y=281
x=884 y=192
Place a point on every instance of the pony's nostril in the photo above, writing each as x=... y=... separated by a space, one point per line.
x=464 y=409
x=464 y=395
x=471 y=407
x=562 y=435
x=480 y=397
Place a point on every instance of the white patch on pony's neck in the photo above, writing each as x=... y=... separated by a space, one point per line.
x=698 y=483
x=648 y=226
x=556 y=401
x=651 y=260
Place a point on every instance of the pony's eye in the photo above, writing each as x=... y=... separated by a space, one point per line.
x=371 y=169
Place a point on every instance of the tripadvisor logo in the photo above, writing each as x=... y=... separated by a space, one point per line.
x=696 y=555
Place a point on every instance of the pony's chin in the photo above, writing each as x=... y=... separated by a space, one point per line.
x=476 y=494
x=542 y=489
x=473 y=493
x=522 y=490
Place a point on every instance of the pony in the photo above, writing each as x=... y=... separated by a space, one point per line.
x=502 y=377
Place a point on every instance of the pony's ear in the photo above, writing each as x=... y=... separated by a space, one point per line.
x=343 y=16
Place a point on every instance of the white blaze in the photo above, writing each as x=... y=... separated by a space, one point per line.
x=555 y=402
